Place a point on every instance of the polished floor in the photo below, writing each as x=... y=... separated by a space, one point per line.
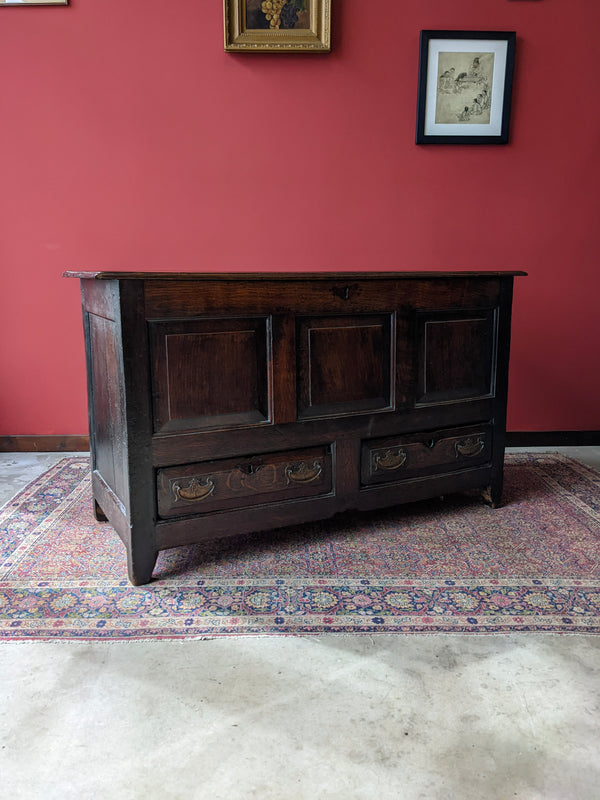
x=439 y=717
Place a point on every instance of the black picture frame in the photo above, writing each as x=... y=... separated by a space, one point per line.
x=465 y=87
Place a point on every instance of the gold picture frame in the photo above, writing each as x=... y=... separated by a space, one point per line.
x=275 y=26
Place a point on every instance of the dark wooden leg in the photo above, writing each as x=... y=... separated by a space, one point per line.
x=140 y=566
x=98 y=513
x=492 y=494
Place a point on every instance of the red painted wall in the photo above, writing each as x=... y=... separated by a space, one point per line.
x=129 y=139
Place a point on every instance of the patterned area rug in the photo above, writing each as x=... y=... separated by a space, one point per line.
x=452 y=565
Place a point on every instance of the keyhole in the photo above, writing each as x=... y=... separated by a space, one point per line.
x=250 y=469
x=343 y=292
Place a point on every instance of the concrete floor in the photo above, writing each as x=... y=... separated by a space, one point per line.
x=439 y=717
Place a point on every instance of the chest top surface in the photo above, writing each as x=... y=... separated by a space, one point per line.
x=109 y=275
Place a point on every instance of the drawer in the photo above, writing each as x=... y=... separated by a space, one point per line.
x=418 y=455
x=241 y=482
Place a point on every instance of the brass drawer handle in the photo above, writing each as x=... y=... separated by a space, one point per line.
x=390 y=459
x=194 y=491
x=469 y=447
x=302 y=472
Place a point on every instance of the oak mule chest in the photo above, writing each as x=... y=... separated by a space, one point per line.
x=222 y=404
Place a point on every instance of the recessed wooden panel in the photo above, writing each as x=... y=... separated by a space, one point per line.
x=211 y=373
x=106 y=403
x=344 y=365
x=456 y=356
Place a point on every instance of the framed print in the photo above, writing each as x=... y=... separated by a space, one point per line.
x=465 y=87
x=261 y=26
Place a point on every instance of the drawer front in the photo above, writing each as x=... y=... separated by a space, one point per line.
x=241 y=482
x=418 y=455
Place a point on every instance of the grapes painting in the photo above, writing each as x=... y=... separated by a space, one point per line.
x=278 y=15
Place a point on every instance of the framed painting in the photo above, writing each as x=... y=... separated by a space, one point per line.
x=465 y=87
x=34 y=2
x=259 y=26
